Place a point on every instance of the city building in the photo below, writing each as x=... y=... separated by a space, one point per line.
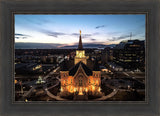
x=109 y=51
x=130 y=54
x=28 y=68
x=80 y=81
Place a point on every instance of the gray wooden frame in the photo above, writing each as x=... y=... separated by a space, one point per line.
x=149 y=108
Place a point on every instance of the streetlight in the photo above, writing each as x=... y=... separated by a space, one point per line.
x=26 y=100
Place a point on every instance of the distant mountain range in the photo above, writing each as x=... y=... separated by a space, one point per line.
x=56 y=46
x=89 y=45
x=36 y=46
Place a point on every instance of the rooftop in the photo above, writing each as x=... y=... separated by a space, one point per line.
x=74 y=69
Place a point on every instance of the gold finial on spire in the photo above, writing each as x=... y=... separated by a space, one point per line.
x=80 y=32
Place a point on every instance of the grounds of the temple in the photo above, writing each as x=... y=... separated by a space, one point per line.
x=109 y=74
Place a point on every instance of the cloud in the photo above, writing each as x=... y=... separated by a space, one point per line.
x=100 y=26
x=143 y=36
x=93 y=39
x=86 y=35
x=21 y=36
x=37 y=22
x=56 y=34
x=17 y=37
x=113 y=39
x=96 y=33
x=121 y=37
x=83 y=35
x=113 y=33
x=18 y=34
x=52 y=33
x=75 y=34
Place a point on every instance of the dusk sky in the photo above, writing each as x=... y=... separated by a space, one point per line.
x=64 y=29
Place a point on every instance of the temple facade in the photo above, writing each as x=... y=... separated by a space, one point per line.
x=80 y=81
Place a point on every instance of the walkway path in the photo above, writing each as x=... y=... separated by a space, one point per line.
x=28 y=92
x=54 y=97
x=108 y=96
x=52 y=72
x=53 y=85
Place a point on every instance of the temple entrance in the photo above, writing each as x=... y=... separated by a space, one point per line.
x=80 y=94
x=80 y=91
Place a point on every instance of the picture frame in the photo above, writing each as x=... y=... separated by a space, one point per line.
x=8 y=7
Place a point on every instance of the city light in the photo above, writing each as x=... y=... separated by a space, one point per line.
x=15 y=81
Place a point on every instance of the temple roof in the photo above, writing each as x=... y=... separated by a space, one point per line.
x=74 y=69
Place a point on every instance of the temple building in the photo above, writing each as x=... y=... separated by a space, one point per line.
x=80 y=81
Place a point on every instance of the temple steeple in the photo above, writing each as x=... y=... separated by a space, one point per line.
x=80 y=53
x=80 y=47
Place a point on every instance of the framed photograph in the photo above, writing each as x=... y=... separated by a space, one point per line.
x=52 y=63
x=79 y=58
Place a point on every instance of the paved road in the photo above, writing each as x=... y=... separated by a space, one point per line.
x=28 y=92
x=135 y=76
x=58 y=78
x=108 y=96
x=44 y=78
x=53 y=85
x=126 y=74
x=51 y=95
x=34 y=86
x=51 y=73
x=138 y=90
x=29 y=83
x=54 y=97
